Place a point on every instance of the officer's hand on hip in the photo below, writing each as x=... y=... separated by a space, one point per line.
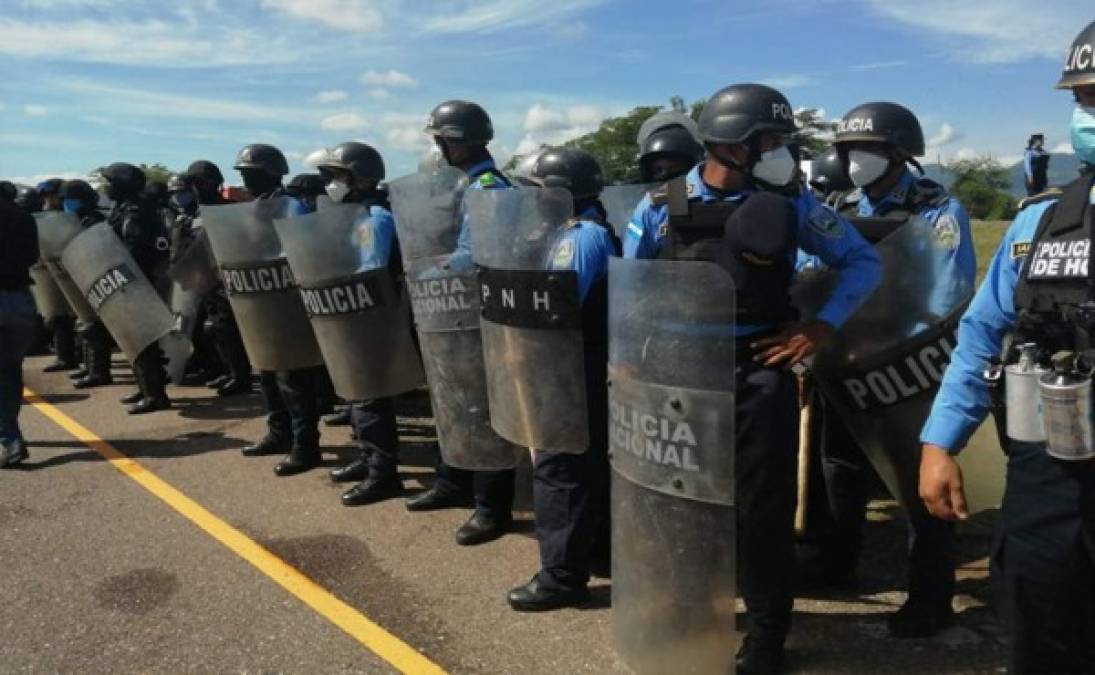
x=941 y=484
x=794 y=343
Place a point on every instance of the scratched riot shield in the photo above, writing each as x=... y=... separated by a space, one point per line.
x=883 y=369
x=48 y=296
x=360 y=313
x=193 y=274
x=123 y=298
x=530 y=318
x=671 y=440
x=445 y=297
x=620 y=202
x=55 y=230
x=264 y=296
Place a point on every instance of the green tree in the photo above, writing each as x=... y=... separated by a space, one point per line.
x=981 y=184
x=814 y=134
x=156 y=173
x=613 y=144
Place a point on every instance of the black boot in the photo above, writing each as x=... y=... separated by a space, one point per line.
x=267 y=446
x=373 y=489
x=534 y=597
x=147 y=405
x=298 y=461
x=759 y=655
x=58 y=366
x=437 y=498
x=481 y=528
x=341 y=418
x=354 y=471
x=235 y=387
x=135 y=397
x=218 y=381
x=920 y=619
x=92 y=380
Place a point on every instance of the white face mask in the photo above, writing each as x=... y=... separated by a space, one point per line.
x=337 y=191
x=776 y=167
x=865 y=167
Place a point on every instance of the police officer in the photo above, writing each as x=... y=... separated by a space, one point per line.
x=668 y=147
x=744 y=129
x=352 y=173
x=81 y=200
x=876 y=144
x=29 y=199
x=828 y=177
x=570 y=491
x=1036 y=165
x=63 y=327
x=1037 y=291
x=205 y=179
x=461 y=130
x=136 y=222
x=292 y=396
x=307 y=187
x=18 y=252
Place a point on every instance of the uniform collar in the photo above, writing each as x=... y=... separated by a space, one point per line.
x=590 y=213
x=476 y=170
x=697 y=188
x=896 y=198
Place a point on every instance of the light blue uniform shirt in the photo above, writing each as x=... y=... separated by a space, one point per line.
x=375 y=236
x=584 y=247
x=820 y=232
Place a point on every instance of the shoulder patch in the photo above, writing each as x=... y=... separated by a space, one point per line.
x=1052 y=193
x=564 y=255
x=826 y=223
x=1020 y=249
x=948 y=234
x=486 y=179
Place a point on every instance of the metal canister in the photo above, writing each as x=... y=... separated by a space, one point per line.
x=1023 y=397
x=1066 y=405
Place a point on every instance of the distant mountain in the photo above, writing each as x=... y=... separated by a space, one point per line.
x=1062 y=169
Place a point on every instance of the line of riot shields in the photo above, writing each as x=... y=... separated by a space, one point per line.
x=489 y=328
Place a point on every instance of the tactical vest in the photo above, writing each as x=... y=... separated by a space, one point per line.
x=1054 y=279
x=922 y=194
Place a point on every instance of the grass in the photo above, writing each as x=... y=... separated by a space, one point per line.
x=986 y=237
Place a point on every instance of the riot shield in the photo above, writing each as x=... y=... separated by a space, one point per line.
x=55 y=230
x=884 y=368
x=193 y=273
x=671 y=441
x=620 y=202
x=530 y=319
x=360 y=315
x=264 y=296
x=48 y=297
x=122 y=296
x=445 y=299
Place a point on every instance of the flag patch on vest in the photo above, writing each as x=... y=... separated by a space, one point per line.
x=1060 y=259
x=1020 y=249
x=564 y=255
x=947 y=232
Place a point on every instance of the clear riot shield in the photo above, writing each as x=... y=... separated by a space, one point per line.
x=530 y=319
x=124 y=299
x=55 y=230
x=48 y=296
x=264 y=296
x=445 y=297
x=193 y=273
x=360 y=315
x=620 y=202
x=884 y=368
x=671 y=441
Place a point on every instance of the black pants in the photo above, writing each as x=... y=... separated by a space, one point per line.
x=206 y=359
x=97 y=346
x=766 y=443
x=149 y=372
x=292 y=406
x=377 y=435
x=847 y=473
x=63 y=329
x=1043 y=564
x=492 y=490
x=226 y=336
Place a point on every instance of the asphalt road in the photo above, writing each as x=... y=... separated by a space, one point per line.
x=101 y=575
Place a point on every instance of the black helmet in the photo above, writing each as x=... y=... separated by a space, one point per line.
x=362 y=160
x=8 y=190
x=81 y=190
x=50 y=186
x=461 y=121
x=205 y=171
x=29 y=199
x=264 y=157
x=570 y=168
x=829 y=174
x=177 y=183
x=669 y=133
x=306 y=185
x=123 y=179
x=739 y=111
x=156 y=191
x=882 y=122
x=1080 y=63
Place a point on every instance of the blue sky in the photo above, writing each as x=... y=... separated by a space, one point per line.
x=89 y=82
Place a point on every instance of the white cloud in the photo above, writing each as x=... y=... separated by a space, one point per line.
x=356 y=16
x=994 y=32
x=330 y=96
x=391 y=78
x=788 y=81
x=38 y=178
x=947 y=134
x=347 y=121
x=380 y=94
x=34 y=110
x=1063 y=149
x=490 y=16
x=545 y=125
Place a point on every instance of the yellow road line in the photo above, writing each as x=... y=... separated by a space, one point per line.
x=377 y=640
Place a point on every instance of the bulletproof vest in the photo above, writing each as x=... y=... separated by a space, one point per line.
x=697 y=234
x=1054 y=279
x=922 y=193
x=138 y=225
